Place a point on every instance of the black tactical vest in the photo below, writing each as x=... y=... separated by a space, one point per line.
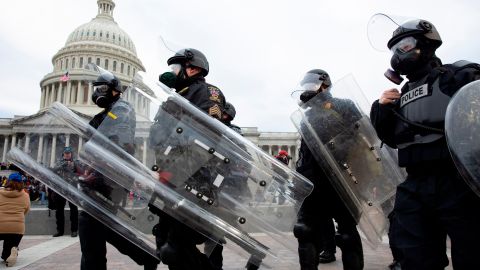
x=424 y=103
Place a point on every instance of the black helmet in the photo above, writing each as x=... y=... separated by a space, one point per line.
x=194 y=57
x=316 y=75
x=418 y=28
x=230 y=110
x=107 y=78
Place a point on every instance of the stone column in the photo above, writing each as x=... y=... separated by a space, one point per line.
x=59 y=92
x=144 y=154
x=27 y=142
x=69 y=93
x=269 y=150
x=42 y=98
x=292 y=154
x=47 y=96
x=5 y=147
x=40 y=147
x=90 y=91
x=67 y=139
x=52 y=93
x=14 y=140
x=79 y=92
x=54 y=148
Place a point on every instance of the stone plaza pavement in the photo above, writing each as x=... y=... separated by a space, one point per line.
x=63 y=253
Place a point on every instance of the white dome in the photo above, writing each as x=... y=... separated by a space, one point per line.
x=103 y=30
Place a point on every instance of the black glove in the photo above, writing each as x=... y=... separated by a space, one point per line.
x=168 y=78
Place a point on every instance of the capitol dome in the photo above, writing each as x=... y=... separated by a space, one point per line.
x=102 y=29
x=102 y=42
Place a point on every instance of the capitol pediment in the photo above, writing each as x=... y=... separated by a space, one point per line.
x=42 y=122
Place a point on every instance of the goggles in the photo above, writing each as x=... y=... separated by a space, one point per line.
x=101 y=88
x=404 y=45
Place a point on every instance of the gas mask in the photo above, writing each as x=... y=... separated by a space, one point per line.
x=102 y=96
x=407 y=56
x=182 y=79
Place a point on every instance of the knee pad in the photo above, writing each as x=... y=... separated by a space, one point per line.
x=302 y=231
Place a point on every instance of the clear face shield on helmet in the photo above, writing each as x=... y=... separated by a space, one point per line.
x=380 y=30
x=308 y=87
x=381 y=27
x=175 y=68
x=102 y=81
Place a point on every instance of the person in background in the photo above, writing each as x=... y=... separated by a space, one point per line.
x=68 y=168
x=14 y=205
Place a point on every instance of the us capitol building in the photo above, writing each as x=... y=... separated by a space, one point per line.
x=103 y=42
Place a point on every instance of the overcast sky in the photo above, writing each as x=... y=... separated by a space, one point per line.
x=258 y=49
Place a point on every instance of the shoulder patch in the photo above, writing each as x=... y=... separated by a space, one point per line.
x=215 y=111
x=214 y=91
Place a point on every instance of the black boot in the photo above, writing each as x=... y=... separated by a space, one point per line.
x=57 y=234
x=326 y=257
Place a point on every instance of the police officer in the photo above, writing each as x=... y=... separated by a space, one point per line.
x=235 y=183
x=314 y=229
x=176 y=243
x=228 y=115
x=67 y=168
x=434 y=200
x=191 y=67
x=117 y=122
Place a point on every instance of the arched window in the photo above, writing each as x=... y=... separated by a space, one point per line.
x=106 y=64
x=101 y=34
x=81 y=62
x=128 y=70
x=73 y=62
x=89 y=60
x=66 y=63
x=94 y=32
x=108 y=34
x=114 y=66
x=121 y=68
x=98 y=61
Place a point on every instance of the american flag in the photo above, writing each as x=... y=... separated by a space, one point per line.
x=65 y=77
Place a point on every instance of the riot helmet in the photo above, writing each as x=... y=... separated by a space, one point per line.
x=230 y=110
x=107 y=78
x=102 y=89
x=413 y=44
x=420 y=29
x=192 y=57
x=312 y=84
x=314 y=78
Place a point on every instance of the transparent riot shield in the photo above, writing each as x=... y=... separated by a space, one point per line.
x=133 y=222
x=364 y=173
x=207 y=176
x=462 y=128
